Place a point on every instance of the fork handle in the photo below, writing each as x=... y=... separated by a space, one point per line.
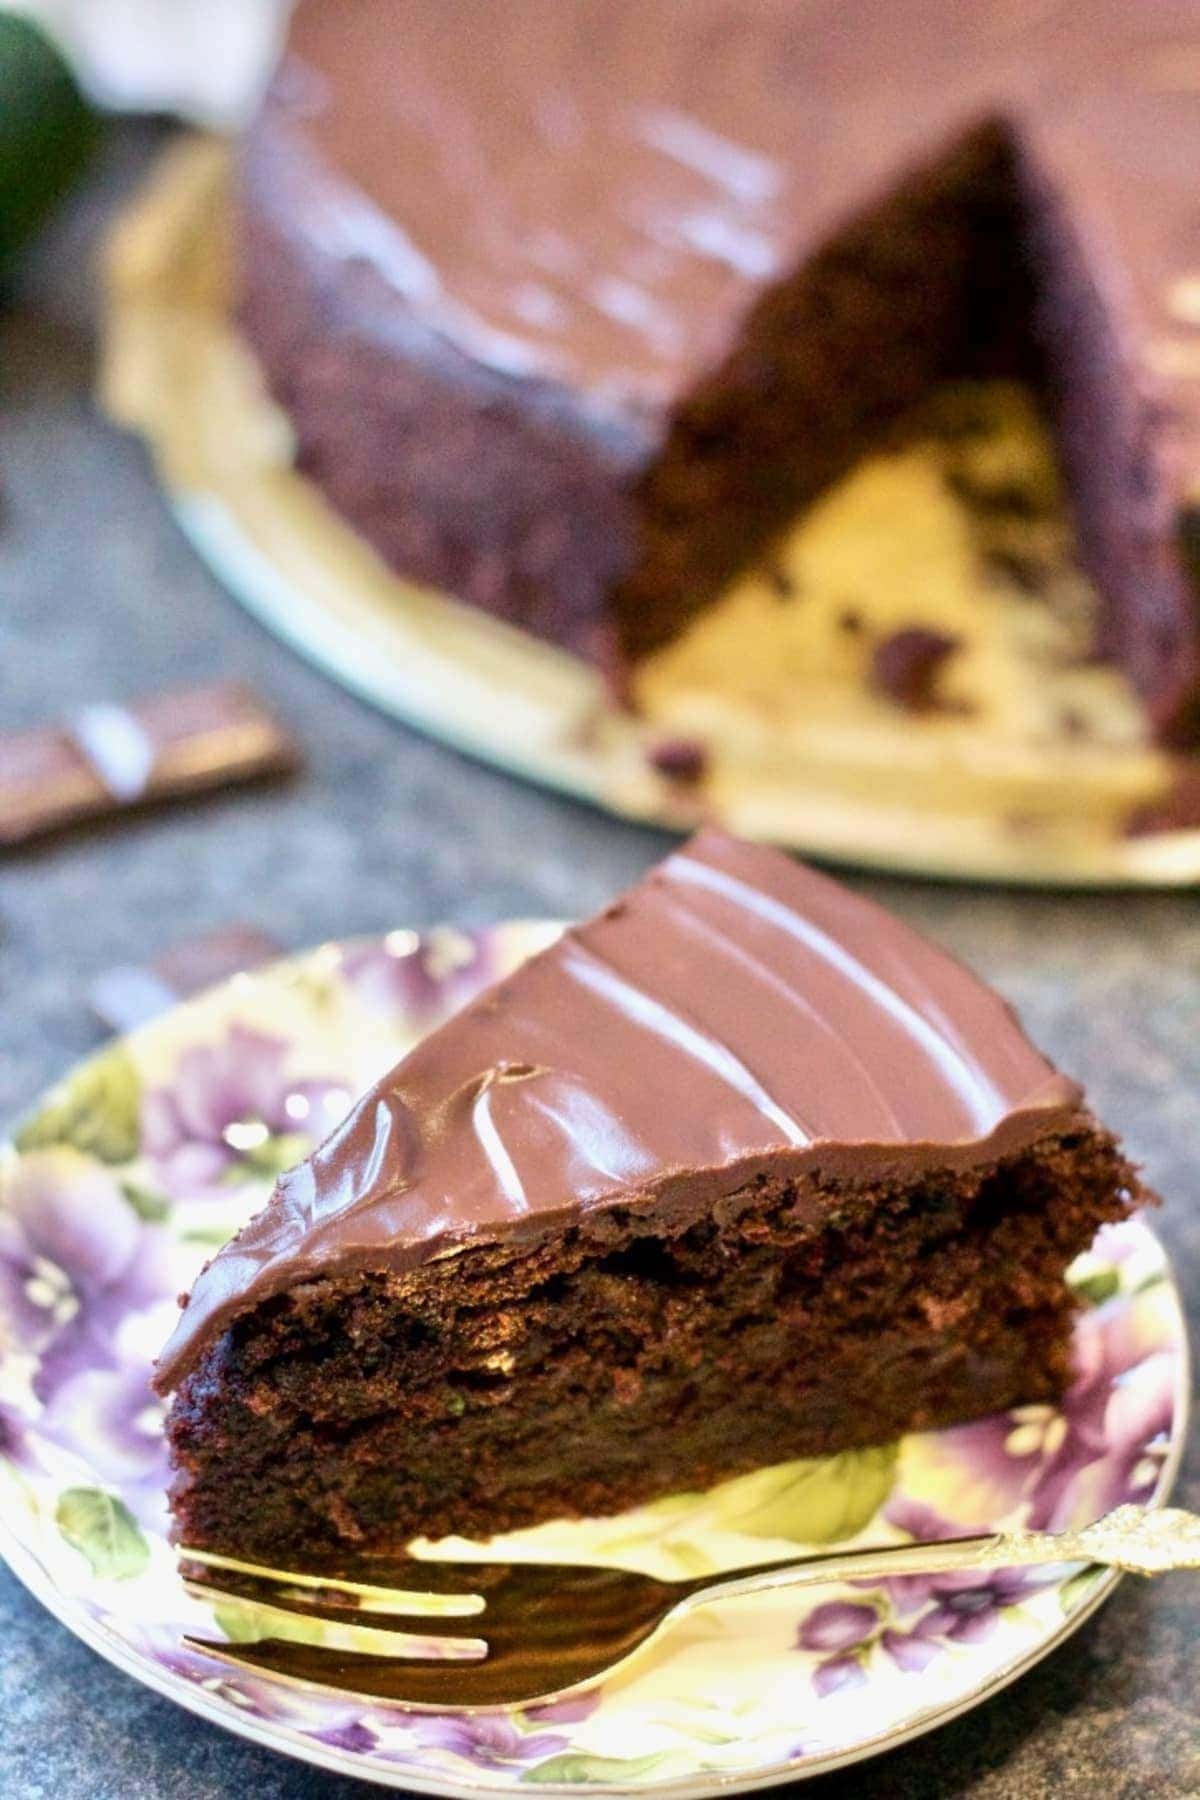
x=945 y=1557
x=1140 y=1540
x=850 y=1565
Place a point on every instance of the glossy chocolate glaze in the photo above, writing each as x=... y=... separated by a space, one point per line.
x=595 y=191
x=733 y=1014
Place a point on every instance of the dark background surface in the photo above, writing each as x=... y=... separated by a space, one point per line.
x=101 y=598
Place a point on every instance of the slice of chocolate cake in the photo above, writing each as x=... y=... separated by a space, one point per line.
x=571 y=313
x=739 y=1171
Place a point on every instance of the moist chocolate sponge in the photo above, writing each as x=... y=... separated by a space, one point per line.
x=742 y=1169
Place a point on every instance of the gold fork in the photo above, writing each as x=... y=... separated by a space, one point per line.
x=552 y=1629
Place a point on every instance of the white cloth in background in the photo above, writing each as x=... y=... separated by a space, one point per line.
x=204 y=59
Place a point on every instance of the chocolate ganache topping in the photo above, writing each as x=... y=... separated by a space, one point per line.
x=732 y=1013
x=594 y=192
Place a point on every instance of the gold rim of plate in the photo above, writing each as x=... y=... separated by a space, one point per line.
x=825 y=769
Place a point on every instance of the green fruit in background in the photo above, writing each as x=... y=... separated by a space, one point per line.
x=47 y=130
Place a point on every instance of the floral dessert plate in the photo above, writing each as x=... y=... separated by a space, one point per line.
x=147 y=1157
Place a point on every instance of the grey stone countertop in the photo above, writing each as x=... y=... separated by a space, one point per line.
x=100 y=597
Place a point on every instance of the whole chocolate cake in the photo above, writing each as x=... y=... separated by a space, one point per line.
x=739 y=1171
x=574 y=304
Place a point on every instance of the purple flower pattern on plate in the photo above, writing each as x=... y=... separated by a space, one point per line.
x=417 y=977
x=485 y=1740
x=950 y=1609
x=232 y=1109
x=78 y=1268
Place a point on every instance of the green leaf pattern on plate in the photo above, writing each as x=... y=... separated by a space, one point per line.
x=1098 y=1287
x=152 y=1208
x=1077 y=1588
x=822 y=1500
x=579 y=1768
x=95 y=1110
x=103 y=1529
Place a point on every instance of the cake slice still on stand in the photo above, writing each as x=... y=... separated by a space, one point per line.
x=741 y=1170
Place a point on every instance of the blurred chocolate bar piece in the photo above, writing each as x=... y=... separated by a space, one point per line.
x=127 y=996
x=109 y=758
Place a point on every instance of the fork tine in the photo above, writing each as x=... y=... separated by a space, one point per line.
x=279 y=1601
x=445 y=1686
x=442 y=1599
x=317 y=1627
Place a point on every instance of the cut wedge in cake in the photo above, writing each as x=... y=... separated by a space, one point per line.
x=739 y=1171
